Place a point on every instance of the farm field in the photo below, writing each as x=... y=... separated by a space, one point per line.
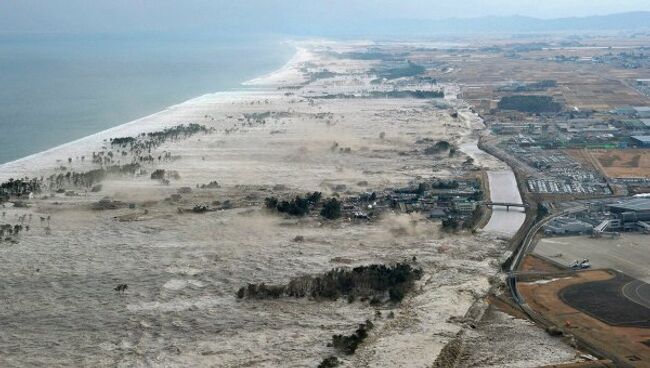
x=616 y=163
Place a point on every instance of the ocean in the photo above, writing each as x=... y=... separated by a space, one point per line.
x=58 y=88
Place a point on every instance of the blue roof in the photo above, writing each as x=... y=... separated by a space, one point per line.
x=642 y=138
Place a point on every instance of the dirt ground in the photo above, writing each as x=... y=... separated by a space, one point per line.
x=532 y=263
x=624 y=163
x=589 y=364
x=616 y=163
x=627 y=344
x=584 y=85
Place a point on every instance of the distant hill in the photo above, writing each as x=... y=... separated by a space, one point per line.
x=622 y=21
x=245 y=17
x=631 y=21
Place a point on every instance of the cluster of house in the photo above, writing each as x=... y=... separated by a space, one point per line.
x=437 y=198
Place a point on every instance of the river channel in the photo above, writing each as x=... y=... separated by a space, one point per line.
x=503 y=188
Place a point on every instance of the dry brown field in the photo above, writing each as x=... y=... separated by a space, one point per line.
x=626 y=343
x=617 y=163
x=584 y=85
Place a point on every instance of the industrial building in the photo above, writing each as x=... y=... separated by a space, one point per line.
x=642 y=111
x=635 y=209
x=640 y=140
x=567 y=226
x=624 y=110
x=605 y=218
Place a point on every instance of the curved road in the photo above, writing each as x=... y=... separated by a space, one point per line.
x=523 y=250
x=638 y=292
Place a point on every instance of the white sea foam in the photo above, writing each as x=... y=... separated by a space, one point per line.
x=285 y=75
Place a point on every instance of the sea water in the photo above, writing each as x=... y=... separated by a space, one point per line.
x=58 y=88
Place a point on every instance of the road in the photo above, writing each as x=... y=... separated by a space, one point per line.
x=525 y=248
x=638 y=292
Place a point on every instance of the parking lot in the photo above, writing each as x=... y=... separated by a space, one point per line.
x=629 y=253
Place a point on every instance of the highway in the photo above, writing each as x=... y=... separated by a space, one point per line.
x=524 y=249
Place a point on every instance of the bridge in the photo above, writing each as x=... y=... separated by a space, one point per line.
x=507 y=205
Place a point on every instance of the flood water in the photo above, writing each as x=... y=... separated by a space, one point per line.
x=503 y=188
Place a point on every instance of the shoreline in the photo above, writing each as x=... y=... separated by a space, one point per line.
x=300 y=56
x=258 y=86
x=247 y=88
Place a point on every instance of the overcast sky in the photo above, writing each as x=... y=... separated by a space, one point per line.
x=206 y=15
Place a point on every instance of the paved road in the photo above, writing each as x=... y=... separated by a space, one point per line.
x=525 y=248
x=638 y=292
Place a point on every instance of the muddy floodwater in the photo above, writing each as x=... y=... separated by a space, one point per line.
x=185 y=245
x=503 y=188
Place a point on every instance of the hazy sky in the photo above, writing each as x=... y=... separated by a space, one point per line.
x=207 y=15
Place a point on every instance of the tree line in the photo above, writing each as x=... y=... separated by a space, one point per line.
x=377 y=281
x=302 y=205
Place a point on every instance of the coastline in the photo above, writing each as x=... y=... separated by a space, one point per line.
x=256 y=86
x=287 y=71
x=501 y=222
